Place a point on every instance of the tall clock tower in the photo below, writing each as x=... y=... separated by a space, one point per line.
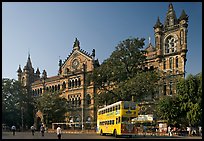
x=171 y=49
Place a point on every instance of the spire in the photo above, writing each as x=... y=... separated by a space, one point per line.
x=93 y=53
x=19 y=69
x=37 y=71
x=158 y=24
x=29 y=64
x=44 y=74
x=170 y=16
x=183 y=16
x=76 y=44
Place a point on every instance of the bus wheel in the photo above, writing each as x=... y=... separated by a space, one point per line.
x=115 y=133
x=101 y=132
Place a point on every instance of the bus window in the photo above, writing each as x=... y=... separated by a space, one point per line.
x=118 y=119
x=113 y=108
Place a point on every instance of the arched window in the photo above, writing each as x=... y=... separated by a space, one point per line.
x=171 y=63
x=50 y=88
x=170 y=44
x=79 y=101
x=176 y=61
x=76 y=83
x=36 y=93
x=63 y=85
x=55 y=87
x=69 y=84
x=79 y=82
x=40 y=90
x=58 y=87
x=72 y=83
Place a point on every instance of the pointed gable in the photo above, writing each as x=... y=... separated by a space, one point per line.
x=76 y=59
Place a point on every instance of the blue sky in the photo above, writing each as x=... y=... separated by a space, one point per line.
x=48 y=29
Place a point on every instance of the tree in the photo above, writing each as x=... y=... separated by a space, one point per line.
x=189 y=92
x=168 y=109
x=121 y=76
x=186 y=107
x=51 y=105
x=17 y=106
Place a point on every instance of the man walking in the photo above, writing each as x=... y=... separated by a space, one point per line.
x=59 y=132
x=13 y=128
x=42 y=130
x=32 y=129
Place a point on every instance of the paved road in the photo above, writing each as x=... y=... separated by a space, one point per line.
x=28 y=135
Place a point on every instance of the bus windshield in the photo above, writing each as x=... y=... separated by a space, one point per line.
x=129 y=105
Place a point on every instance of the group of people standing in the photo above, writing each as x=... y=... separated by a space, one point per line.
x=42 y=130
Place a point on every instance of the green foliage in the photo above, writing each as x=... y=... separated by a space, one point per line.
x=121 y=76
x=15 y=102
x=51 y=105
x=168 y=109
x=190 y=97
x=185 y=107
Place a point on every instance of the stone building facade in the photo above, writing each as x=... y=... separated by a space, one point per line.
x=168 y=56
x=69 y=83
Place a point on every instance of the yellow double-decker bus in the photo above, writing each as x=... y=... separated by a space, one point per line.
x=116 y=119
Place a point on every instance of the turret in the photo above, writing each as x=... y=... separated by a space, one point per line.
x=60 y=67
x=76 y=45
x=37 y=73
x=19 y=71
x=158 y=31
x=44 y=74
x=171 y=19
x=183 y=19
x=93 y=54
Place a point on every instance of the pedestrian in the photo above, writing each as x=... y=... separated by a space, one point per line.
x=32 y=129
x=13 y=128
x=59 y=132
x=169 y=130
x=200 y=130
x=144 y=130
x=189 y=130
x=42 y=130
